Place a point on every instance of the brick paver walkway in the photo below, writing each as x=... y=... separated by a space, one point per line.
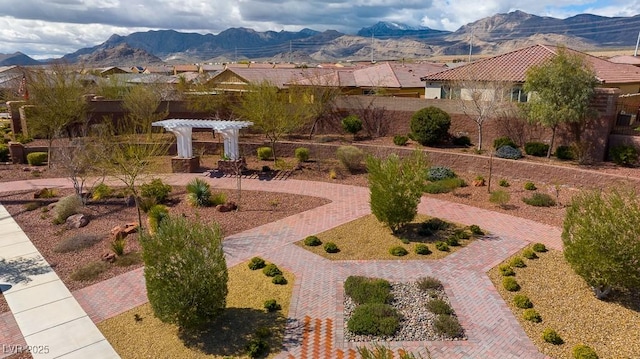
x=316 y=325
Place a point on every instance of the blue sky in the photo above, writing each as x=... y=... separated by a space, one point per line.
x=52 y=28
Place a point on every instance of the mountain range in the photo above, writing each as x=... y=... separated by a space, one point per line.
x=382 y=41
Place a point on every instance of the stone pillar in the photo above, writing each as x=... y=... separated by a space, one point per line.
x=185 y=165
x=16 y=150
x=183 y=141
x=14 y=114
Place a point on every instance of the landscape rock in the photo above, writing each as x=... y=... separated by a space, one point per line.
x=77 y=221
x=227 y=207
x=131 y=227
x=109 y=257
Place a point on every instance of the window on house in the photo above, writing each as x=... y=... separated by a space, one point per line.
x=518 y=94
x=448 y=92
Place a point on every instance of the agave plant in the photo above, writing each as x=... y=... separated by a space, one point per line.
x=198 y=193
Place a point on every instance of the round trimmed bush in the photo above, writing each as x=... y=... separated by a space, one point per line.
x=529 y=254
x=331 y=247
x=539 y=200
x=256 y=263
x=37 y=158
x=462 y=141
x=510 y=284
x=430 y=125
x=439 y=306
x=448 y=326
x=582 y=351
x=155 y=189
x=551 y=336
x=476 y=230
x=350 y=156
x=398 y=251
x=442 y=246
x=312 y=241
x=279 y=279
x=504 y=183
x=271 y=270
x=302 y=154
x=522 y=301
x=264 y=153
x=400 y=140
x=506 y=270
x=565 y=153
x=517 y=262
x=453 y=241
x=437 y=173
x=271 y=305
x=539 y=247
x=624 y=155
x=352 y=124
x=368 y=290
x=503 y=141
x=530 y=186
x=422 y=249
x=257 y=348
x=374 y=319
x=508 y=152
x=531 y=315
x=537 y=149
x=4 y=153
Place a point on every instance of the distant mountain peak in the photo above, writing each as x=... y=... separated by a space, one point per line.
x=390 y=28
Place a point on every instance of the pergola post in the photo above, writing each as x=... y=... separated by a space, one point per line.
x=230 y=137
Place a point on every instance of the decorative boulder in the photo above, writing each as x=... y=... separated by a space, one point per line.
x=109 y=257
x=131 y=227
x=227 y=207
x=77 y=221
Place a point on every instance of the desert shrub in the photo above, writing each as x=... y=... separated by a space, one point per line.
x=422 y=249
x=565 y=153
x=218 y=198
x=500 y=197
x=503 y=141
x=101 y=192
x=271 y=270
x=430 y=125
x=90 y=271
x=264 y=153
x=4 y=153
x=117 y=246
x=256 y=263
x=146 y=203
x=31 y=206
x=539 y=200
x=439 y=306
x=582 y=351
x=156 y=215
x=47 y=193
x=198 y=193
x=517 y=262
x=506 y=270
x=508 y=152
x=331 y=247
x=476 y=230
x=448 y=326
x=155 y=189
x=510 y=284
x=442 y=246
x=374 y=319
x=398 y=251
x=271 y=305
x=302 y=154
x=503 y=183
x=400 y=140
x=537 y=149
x=539 y=247
x=462 y=141
x=522 y=301
x=37 y=158
x=551 y=336
x=452 y=241
x=66 y=207
x=530 y=186
x=185 y=272
x=624 y=155
x=352 y=124
x=312 y=241
x=462 y=233
x=529 y=253
x=429 y=283
x=257 y=348
x=279 y=279
x=443 y=186
x=437 y=173
x=368 y=290
x=77 y=242
x=350 y=156
x=128 y=259
x=532 y=315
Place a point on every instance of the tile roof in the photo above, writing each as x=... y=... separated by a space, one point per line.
x=512 y=66
x=279 y=77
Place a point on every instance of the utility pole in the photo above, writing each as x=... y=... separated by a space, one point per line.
x=372 y=47
x=289 y=51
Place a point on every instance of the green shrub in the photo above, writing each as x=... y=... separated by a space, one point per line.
x=331 y=247
x=368 y=290
x=145 y=203
x=117 y=246
x=529 y=253
x=430 y=125
x=218 y=198
x=517 y=262
x=582 y=351
x=437 y=173
x=398 y=251
x=503 y=141
x=504 y=183
x=31 y=206
x=279 y=279
x=400 y=140
x=530 y=186
x=262 y=332
x=462 y=141
x=442 y=246
x=435 y=224
x=37 y=158
x=90 y=271
x=351 y=157
x=444 y=186
x=422 y=249
x=4 y=153
x=476 y=230
x=500 y=197
x=439 y=306
x=156 y=215
x=551 y=336
x=128 y=259
x=272 y=305
x=312 y=241
x=352 y=124
x=565 y=153
x=198 y=193
x=452 y=241
x=532 y=315
x=66 y=207
x=448 y=326
x=624 y=155
x=302 y=154
x=506 y=270
x=374 y=319
x=537 y=149
x=429 y=283
x=508 y=152
x=257 y=263
x=77 y=242
x=539 y=247
x=271 y=270
x=264 y=153
x=101 y=192
x=257 y=348
x=539 y=200
x=155 y=189
x=510 y=284
x=522 y=301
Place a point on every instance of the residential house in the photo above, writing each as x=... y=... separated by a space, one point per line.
x=238 y=79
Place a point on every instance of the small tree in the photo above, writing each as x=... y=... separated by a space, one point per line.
x=396 y=187
x=185 y=272
x=352 y=124
x=430 y=125
x=142 y=104
x=600 y=236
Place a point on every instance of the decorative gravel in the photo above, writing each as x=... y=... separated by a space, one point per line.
x=416 y=323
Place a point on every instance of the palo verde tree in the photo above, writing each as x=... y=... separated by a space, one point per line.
x=600 y=237
x=562 y=89
x=185 y=272
x=395 y=186
x=142 y=104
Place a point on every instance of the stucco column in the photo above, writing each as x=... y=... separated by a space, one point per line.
x=183 y=141
x=230 y=136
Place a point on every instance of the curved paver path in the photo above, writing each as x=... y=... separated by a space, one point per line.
x=315 y=328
